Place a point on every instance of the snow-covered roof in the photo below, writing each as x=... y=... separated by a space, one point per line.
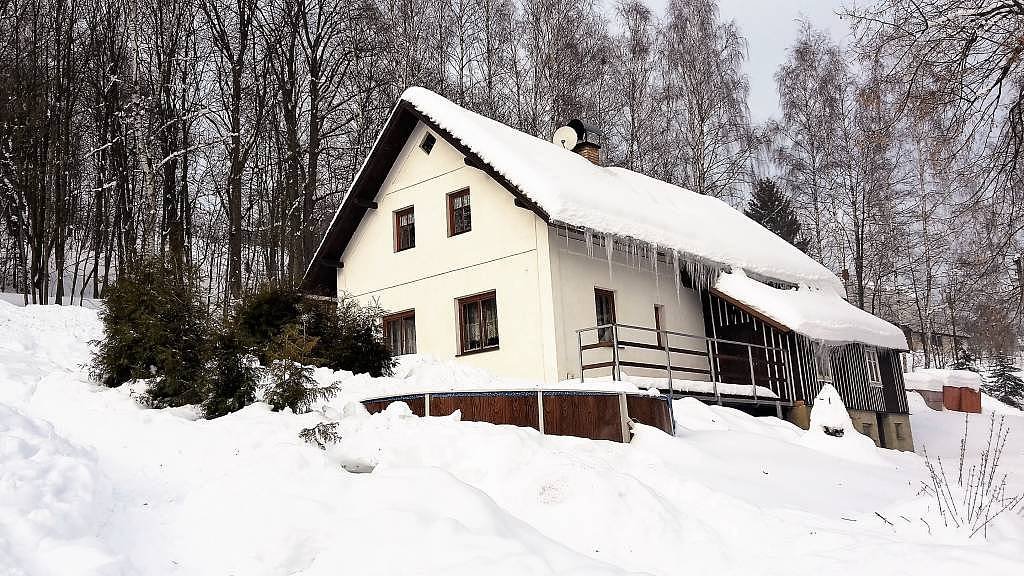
x=572 y=190
x=819 y=313
x=566 y=188
x=935 y=379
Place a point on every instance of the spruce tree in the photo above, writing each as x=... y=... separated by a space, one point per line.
x=349 y=337
x=235 y=376
x=155 y=328
x=965 y=361
x=1004 y=384
x=771 y=208
x=290 y=382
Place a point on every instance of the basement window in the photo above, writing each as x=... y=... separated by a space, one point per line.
x=400 y=332
x=428 y=143
x=478 y=323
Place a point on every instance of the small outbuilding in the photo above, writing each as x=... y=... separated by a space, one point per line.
x=955 y=390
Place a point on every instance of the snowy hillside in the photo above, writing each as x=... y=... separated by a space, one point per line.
x=92 y=484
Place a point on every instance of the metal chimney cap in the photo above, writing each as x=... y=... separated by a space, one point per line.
x=586 y=132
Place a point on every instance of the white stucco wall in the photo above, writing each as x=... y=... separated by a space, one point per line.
x=544 y=286
x=576 y=275
x=500 y=253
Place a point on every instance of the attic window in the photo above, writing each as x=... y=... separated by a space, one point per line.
x=428 y=143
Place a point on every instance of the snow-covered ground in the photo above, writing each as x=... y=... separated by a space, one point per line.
x=92 y=484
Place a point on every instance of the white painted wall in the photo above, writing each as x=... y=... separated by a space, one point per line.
x=576 y=275
x=544 y=286
x=500 y=253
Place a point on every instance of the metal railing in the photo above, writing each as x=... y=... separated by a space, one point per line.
x=770 y=362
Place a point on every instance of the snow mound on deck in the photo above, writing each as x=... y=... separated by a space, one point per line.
x=831 y=430
x=821 y=314
x=617 y=201
x=934 y=379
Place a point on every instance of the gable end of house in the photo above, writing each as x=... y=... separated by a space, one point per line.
x=321 y=273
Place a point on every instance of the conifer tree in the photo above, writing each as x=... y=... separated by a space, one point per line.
x=235 y=376
x=1004 y=384
x=771 y=208
x=155 y=328
x=289 y=374
x=965 y=361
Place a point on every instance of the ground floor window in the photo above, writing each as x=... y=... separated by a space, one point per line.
x=604 y=305
x=823 y=362
x=400 y=332
x=874 y=370
x=478 y=322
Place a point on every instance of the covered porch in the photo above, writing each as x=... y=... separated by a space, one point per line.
x=735 y=370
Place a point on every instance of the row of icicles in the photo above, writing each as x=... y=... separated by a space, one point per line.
x=641 y=254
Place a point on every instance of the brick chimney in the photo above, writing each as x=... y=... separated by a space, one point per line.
x=588 y=142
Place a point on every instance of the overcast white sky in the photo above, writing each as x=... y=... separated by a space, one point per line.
x=770 y=27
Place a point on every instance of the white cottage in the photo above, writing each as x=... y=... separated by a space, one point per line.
x=530 y=259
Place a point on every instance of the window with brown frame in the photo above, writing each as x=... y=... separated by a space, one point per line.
x=405 y=229
x=478 y=323
x=459 y=216
x=400 y=332
x=604 y=305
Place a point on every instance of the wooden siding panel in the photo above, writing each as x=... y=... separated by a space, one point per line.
x=586 y=415
x=650 y=410
x=415 y=402
x=515 y=408
x=893 y=388
x=850 y=377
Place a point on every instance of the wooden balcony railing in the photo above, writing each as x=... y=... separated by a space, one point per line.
x=761 y=367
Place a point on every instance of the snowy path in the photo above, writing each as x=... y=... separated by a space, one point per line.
x=92 y=484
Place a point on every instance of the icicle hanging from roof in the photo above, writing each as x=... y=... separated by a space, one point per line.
x=609 y=247
x=675 y=273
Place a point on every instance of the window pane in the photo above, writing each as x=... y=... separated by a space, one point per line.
x=409 y=335
x=471 y=326
x=823 y=362
x=490 y=322
x=604 y=305
x=460 y=213
x=405 y=222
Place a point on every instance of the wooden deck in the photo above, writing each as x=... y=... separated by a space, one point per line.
x=597 y=415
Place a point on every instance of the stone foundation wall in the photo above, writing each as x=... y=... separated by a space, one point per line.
x=866 y=423
x=898 y=434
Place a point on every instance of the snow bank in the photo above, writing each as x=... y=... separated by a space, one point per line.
x=53 y=495
x=934 y=379
x=831 y=430
x=819 y=313
x=85 y=471
x=616 y=201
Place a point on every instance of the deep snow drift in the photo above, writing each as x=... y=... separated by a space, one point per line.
x=92 y=484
